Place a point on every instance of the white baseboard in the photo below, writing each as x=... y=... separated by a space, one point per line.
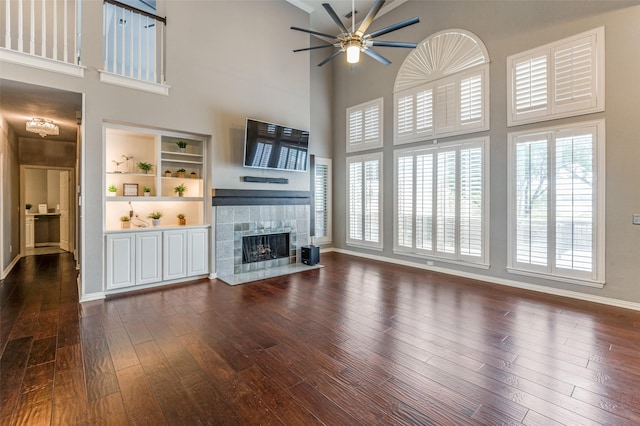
x=494 y=280
x=91 y=297
x=10 y=267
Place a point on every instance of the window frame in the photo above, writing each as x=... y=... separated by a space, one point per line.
x=553 y=109
x=377 y=245
x=365 y=144
x=481 y=261
x=596 y=278
x=325 y=162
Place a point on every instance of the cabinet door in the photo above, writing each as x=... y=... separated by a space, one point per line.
x=197 y=251
x=174 y=254
x=120 y=260
x=29 y=232
x=148 y=257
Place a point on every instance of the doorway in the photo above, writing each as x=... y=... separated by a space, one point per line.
x=48 y=219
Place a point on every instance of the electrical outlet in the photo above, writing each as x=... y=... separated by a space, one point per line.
x=636 y=219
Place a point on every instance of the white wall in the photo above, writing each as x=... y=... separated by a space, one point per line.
x=9 y=197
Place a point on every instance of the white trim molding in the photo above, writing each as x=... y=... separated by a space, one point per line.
x=13 y=57
x=132 y=83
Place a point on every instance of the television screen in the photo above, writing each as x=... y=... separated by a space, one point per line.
x=271 y=146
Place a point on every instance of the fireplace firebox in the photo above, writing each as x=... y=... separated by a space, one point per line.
x=259 y=248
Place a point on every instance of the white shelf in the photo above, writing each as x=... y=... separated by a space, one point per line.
x=185 y=154
x=167 y=160
x=151 y=198
x=131 y=174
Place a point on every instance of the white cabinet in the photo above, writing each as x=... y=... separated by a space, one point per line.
x=148 y=257
x=174 y=262
x=29 y=232
x=120 y=260
x=197 y=251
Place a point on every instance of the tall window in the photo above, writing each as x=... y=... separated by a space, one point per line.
x=441 y=206
x=364 y=126
x=323 y=200
x=364 y=200
x=556 y=215
x=561 y=79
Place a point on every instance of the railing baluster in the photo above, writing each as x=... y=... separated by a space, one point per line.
x=7 y=35
x=148 y=40
x=122 y=47
x=44 y=29
x=131 y=44
x=105 y=26
x=55 y=29
x=76 y=33
x=146 y=20
x=20 y=27
x=32 y=28
x=65 y=31
x=115 y=40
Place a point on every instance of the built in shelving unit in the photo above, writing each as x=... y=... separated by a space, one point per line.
x=143 y=254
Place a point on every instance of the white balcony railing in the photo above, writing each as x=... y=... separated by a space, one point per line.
x=41 y=28
x=134 y=43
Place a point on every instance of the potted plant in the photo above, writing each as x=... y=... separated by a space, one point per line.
x=182 y=219
x=28 y=206
x=180 y=189
x=125 y=222
x=145 y=167
x=194 y=175
x=182 y=145
x=111 y=190
x=167 y=173
x=180 y=173
x=155 y=216
x=146 y=191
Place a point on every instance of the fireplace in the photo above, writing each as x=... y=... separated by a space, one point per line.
x=260 y=248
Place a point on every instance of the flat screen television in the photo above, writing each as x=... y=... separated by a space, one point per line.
x=272 y=146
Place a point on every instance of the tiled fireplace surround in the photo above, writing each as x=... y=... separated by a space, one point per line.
x=258 y=213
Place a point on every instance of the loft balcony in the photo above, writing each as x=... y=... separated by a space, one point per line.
x=47 y=34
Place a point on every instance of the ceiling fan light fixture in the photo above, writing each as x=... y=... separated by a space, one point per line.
x=42 y=126
x=353 y=53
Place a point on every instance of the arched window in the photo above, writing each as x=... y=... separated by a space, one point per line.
x=442 y=88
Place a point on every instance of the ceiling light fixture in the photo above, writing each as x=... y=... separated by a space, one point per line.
x=43 y=127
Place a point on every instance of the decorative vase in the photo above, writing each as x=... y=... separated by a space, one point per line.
x=146 y=194
x=111 y=194
x=180 y=194
x=167 y=174
x=194 y=175
x=156 y=222
x=182 y=221
x=181 y=149
x=125 y=225
x=180 y=174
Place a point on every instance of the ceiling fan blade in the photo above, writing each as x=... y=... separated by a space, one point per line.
x=335 y=17
x=330 y=58
x=394 y=27
x=313 y=47
x=329 y=36
x=370 y=17
x=378 y=57
x=392 y=44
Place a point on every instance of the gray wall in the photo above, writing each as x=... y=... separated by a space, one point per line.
x=226 y=60
x=10 y=182
x=507 y=28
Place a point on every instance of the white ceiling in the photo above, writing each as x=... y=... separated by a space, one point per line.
x=322 y=22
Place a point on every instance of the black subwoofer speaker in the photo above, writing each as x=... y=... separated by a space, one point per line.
x=310 y=255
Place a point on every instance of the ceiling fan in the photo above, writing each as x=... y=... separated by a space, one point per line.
x=355 y=41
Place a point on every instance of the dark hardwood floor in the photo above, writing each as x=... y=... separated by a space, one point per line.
x=354 y=343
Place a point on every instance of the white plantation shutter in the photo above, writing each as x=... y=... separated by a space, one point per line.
x=364 y=126
x=560 y=79
x=471 y=99
x=404 y=187
x=446 y=107
x=322 y=198
x=404 y=116
x=424 y=202
x=574 y=75
x=440 y=201
x=355 y=197
x=557 y=202
x=424 y=112
x=471 y=201
x=531 y=85
x=364 y=197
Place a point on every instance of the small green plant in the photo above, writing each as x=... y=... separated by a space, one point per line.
x=180 y=188
x=146 y=189
x=112 y=188
x=181 y=216
x=181 y=170
x=155 y=215
x=181 y=144
x=28 y=206
x=145 y=167
x=125 y=219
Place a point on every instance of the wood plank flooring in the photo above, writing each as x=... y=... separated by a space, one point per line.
x=354 y=343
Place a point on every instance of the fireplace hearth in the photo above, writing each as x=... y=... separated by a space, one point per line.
x=259 y=248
